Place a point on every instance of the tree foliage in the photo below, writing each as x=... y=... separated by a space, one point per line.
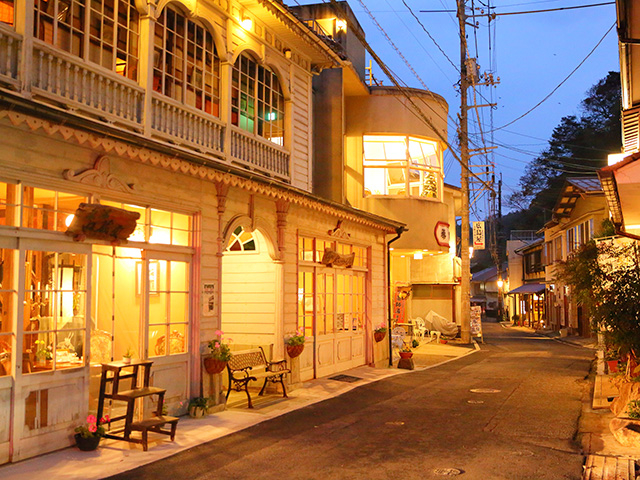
x=579 y=146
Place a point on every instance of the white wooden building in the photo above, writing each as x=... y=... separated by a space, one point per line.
x=197 y=116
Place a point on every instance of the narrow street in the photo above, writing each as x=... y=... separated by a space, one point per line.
x=520 y=425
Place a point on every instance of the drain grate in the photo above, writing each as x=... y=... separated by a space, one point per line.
x=448 y=472
x=484 y=390
x=345 y=378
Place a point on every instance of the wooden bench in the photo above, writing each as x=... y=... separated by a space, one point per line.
x=246 y=366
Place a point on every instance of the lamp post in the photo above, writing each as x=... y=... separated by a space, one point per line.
x=500 y=283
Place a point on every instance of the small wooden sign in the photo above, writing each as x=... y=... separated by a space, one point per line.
x=331 y=258
x=102 y=222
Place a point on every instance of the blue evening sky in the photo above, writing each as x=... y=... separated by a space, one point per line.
x=531 y=53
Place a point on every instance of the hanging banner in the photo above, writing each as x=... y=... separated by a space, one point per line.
x=400 y=304
x=478 y=236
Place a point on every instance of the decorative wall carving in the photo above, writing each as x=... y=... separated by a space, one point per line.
x=100 y=176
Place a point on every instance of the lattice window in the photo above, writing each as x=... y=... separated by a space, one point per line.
x=186 y=64
x=257 y=102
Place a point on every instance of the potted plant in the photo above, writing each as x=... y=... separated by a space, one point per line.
x=198 y=407
x=43 y=354
x=295 y=343
x=405 y=352
x=88 y=435
x=379 y=333
x=219 y=356
x=127 y=355
x=612 y=358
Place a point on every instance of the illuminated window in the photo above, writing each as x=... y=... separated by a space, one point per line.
x=8 y=297
x=6 y=12
x=48 y=209
x=158 y=226
x=241 y=241
x=403 y=166
x=257 y=103
x=54 y=303
x=113 y=29
x=186 y=64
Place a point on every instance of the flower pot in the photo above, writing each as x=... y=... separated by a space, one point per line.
x=213 y=365
x=294 y=350
x=126 y=360
x=87 y=444
x=612 y=365
x=197 y=412
x=406 y=354
x=379 y=336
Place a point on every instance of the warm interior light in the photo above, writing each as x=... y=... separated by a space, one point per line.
x=471 y=251
x=417 y=256
x=614 y=158
x=341 y=25
x=68 y=220
x=247 y=23
x=390 y=248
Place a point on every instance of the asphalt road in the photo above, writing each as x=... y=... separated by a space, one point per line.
x=410 y=426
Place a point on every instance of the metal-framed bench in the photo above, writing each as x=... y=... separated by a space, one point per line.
x=246 y=366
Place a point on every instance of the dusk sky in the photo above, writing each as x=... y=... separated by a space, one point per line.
x=531 y=53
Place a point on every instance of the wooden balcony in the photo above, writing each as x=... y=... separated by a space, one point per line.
x=67 y=81
x=188 y=126
x=70 y=81
x=259 y=154
x=10 y=45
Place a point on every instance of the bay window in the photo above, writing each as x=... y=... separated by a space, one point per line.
x=402 y=166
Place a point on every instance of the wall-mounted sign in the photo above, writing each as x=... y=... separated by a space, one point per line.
x=442 y=234
x=208 y=299
x=102 y=222
x=331 y=258
x=478 y=236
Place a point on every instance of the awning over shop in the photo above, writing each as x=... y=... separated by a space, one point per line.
x=528 y=288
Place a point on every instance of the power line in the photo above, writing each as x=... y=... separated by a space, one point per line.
x=561 y=83
x=552 y=9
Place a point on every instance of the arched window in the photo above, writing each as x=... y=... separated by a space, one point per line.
x=257 y=103
x=186 y=64
x=241 y=241
x=112 y=26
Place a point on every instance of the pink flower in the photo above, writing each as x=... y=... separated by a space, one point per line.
x=217 y=344
x=91 y=419
x=93 y=428
x=104 y=419
x=219 y=333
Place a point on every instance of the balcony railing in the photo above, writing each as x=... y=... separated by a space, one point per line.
x=69 y=80
x=187 y=126
x=65 y=80
x=10 y=44
x=260 y=154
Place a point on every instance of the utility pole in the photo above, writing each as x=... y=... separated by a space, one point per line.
x=465 y=282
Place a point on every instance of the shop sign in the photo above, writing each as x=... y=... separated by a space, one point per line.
x=400 y=304
x=102 y=222
x=442 y=234
x=331 y=258
x=476 y=321
x=478 y=236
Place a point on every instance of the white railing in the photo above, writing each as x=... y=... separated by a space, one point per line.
x=186 y=125
x=10 y=44
x=260 y=154
x=71 y=81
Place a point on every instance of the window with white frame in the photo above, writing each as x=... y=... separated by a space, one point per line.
x=402 y=165
x=112 y=26
x=257 y=102
x=186 y=63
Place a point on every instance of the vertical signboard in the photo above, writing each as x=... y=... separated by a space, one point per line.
x=478 y=236
x=476 y=321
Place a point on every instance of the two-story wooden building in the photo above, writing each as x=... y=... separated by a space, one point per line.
x=198 y=117
x=577 y=215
